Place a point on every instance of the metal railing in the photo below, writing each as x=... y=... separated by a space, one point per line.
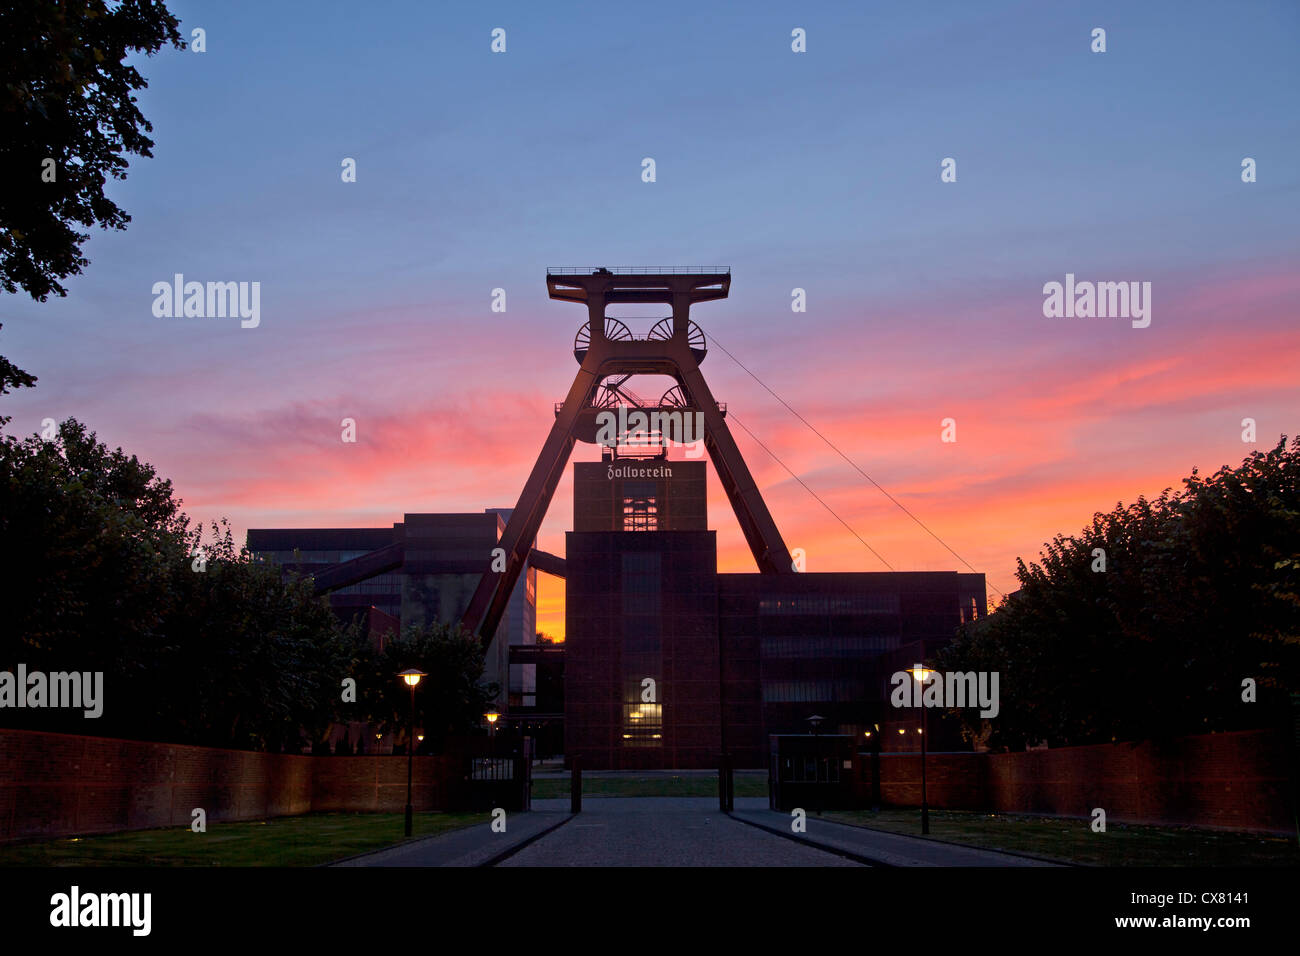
x=493 y=768
x=722 y=407
x=638 y=270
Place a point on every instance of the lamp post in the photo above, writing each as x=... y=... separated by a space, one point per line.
x=922 y=675
x=492 y=716
x=874 y=737
x=412 y=677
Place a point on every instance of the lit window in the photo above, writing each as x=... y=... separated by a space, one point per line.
x=640 y=513
x=642 y=725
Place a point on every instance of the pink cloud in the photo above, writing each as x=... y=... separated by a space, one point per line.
x=1054 y=423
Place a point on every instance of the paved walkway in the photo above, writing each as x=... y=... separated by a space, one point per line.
x=887 y=849
x=675 y=831
x=472 y=846
x=663 y=831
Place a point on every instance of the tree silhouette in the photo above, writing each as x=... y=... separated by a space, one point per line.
x=68 y=121
x=1200 y=592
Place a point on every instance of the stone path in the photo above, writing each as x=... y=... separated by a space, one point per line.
x=675 y=832
x=663 y=831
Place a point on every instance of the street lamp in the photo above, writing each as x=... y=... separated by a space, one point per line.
x=492 y=716
x=412 y=677
x=876 y=736
x=922 y=675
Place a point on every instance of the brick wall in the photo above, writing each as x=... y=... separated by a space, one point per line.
x=1238 y=780
x=61 y=785
x=379 y=783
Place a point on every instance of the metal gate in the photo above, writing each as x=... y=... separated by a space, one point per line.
x=500 y=774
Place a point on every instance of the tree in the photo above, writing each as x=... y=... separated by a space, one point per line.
x=1200 y=591
x=11 y=376
x=198 y=641
x=271 y=654
x=103 y=576
x=450 y=700
x=93 y=539
x=68 y=121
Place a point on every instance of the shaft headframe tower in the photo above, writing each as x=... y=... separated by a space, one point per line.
x=608 y=355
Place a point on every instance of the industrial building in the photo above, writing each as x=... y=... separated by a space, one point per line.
x=666 y=663
x=429 y=565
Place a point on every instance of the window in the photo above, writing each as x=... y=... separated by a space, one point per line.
x=640 y=506
x=642 y=650
x=640 y=513
x=823 y=604
x=786 y=646
x=643 y=725
x=813 y=691
x=641 y=583
x=389 y=584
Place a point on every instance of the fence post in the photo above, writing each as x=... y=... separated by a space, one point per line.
x=726 y=790
x=526 y=771
x=575 y=785
x=731 y=784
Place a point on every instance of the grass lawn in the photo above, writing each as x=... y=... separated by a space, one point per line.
x=698 y=785
x=284 y=841
x=1073 y=840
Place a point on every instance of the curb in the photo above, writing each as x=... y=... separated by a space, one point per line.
x=869 y=861
x=511 y=851
x=393 y=846
x=804 y=841
x=434 y=836
x=964 y=846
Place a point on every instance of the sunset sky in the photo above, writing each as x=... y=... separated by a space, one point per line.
x=817 y=170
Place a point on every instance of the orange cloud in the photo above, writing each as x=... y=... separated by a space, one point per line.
x=1054 y=422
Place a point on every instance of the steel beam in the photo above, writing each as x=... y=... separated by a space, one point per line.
x=604 y=358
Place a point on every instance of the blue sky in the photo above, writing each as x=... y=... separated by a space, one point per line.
x=817 y=170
